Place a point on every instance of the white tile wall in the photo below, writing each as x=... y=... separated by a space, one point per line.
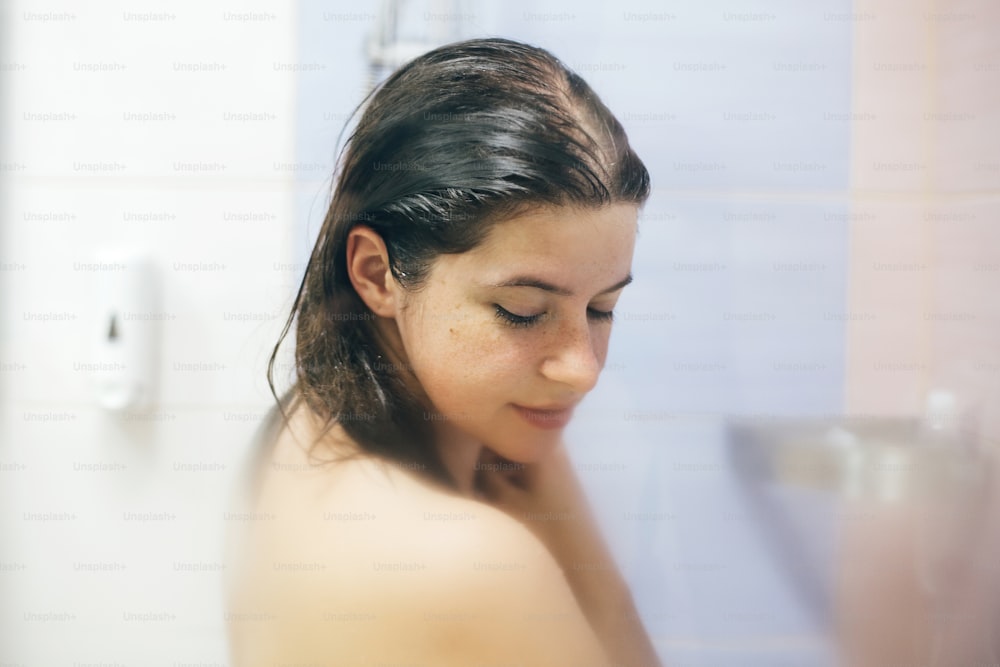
x=200 y=185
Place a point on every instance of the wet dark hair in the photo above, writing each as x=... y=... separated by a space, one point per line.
x=452 y=143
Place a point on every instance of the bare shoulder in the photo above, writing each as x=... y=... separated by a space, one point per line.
x=492 y=589
x=377 y=565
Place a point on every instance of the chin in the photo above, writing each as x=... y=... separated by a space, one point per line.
x=530 y=450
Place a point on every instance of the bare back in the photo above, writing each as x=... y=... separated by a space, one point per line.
x=365 y=559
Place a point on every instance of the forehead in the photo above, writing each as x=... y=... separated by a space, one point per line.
x=561 y=236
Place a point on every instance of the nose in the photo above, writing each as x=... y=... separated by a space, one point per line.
x=574 y=357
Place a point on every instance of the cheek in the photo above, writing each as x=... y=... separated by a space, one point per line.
x=468 y=365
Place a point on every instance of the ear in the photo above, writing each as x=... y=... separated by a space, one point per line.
x=368 y=269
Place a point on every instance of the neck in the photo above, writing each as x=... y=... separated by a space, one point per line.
x=459 y=453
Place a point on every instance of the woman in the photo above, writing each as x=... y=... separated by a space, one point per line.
x=413 y=502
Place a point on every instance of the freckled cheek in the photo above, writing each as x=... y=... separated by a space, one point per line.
x=483 y=361
x=442 y=346
x=481 y=347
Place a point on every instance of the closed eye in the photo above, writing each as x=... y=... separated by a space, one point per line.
x=515 y=320
x=601 y=315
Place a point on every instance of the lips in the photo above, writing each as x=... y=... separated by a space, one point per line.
x=550 y=417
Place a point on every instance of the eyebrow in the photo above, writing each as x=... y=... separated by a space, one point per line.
x=529 y=281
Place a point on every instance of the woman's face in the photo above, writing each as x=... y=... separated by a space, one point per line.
x=505 y=339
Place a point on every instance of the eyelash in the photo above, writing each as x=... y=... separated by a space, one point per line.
x=520 y=321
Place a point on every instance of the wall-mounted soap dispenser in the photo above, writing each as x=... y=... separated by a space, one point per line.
x=126 y=332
